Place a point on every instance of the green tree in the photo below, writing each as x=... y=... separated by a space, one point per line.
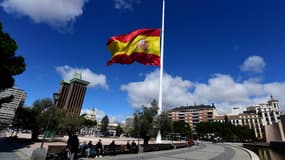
x=165 y=124
x=37 y=116
x=183 y=128
x=104 y=125
x=119 y=130
x=89 y=123
x=33 y=118
x=227 y=131
x=203 y=128
x=70 y=124
x=40 y=111
x=135 y=132
x=129 y=126
x=10 y=65
x=22 y=119
x=144 y=124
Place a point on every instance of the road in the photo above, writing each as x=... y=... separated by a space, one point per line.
x=205 y=151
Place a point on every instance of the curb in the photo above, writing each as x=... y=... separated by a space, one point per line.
x=253 y=156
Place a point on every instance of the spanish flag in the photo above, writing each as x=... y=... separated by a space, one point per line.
x=142 y=45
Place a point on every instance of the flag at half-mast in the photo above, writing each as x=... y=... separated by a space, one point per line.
x=142 y=45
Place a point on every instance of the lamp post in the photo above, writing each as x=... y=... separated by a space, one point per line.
x=55 y=99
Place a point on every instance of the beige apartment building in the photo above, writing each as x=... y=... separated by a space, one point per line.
x=193 y=114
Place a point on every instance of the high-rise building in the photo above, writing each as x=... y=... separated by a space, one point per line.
x=71 y=94
x=193 y=114
x=7 y=111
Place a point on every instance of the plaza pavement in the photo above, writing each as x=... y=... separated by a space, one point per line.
x=205 y=151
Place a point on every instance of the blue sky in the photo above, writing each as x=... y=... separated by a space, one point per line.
x=226 y=52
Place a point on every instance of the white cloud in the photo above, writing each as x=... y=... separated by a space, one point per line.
x=95 y=80
x=253 y=64
x=125 y=4
x=56 y=13
x=175 y=90
x=222 y=90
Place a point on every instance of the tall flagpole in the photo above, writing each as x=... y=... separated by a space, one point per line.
x=158 y=138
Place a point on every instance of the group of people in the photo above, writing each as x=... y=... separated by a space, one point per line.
x=73 y=148
x=97 y=150
x=133 y=148
x=90 y=150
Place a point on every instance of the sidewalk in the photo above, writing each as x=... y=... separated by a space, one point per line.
x=204 y=151
x=28 y=150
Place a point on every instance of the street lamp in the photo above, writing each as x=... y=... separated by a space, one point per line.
x=55 y=99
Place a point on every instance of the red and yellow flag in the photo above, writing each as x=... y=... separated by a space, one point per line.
x=142 y=45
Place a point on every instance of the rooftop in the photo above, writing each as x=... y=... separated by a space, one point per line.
x=201 y=106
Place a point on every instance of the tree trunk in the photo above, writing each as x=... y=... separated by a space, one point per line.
x=12 y=133
x=35 y=134
x=146 y=140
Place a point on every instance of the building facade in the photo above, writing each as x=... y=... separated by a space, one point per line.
x=71 y=95
x=193 y=114
x=251 y=120
x=7 y=111
x=256 y=117
x=270 y=112
x=91 y=116
x=92 y=130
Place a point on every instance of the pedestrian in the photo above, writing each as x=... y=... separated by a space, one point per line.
x=73 y=144
x=198 y=142
x=112 y=148
x=128 y=146
x=99 y=149
x=134 y=148
x=90 y=150
x=82 y=148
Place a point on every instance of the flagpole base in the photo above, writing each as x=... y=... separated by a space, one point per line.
x=158 y=137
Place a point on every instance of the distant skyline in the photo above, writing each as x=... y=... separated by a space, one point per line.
x=230 y=53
